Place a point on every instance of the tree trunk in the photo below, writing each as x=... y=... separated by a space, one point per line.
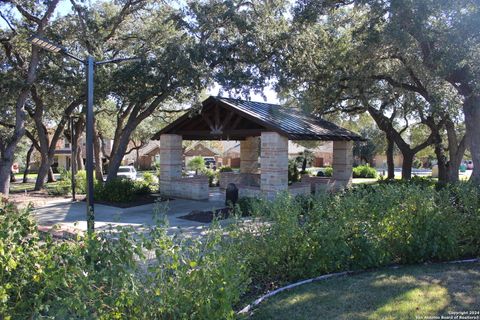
x=42 y=172
x=471 y=109
x=304 y=163
x=407 y=164
x=80 y=163
x=456 y=150
x=390 y=158
x=118 y=154
x=27 y=164
x=51 y=176
x=441 y=163
x=98 y=157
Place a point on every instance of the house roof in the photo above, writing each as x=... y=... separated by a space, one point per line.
x=227 y=118
x=199 y=149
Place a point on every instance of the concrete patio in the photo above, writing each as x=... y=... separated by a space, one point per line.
x=72 y=215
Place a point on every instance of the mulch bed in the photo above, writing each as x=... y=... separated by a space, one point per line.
x=138 y=201
x=207 y=216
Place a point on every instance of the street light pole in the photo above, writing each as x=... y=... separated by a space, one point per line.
x=73 y=158
x=89 y=64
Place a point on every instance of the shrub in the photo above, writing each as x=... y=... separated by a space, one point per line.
x=364 y=172
x=365 y=227
x=149 y=178
x=61 y=188
x=121 y=190
x=212 y=175
x=109 y=276
x=417 y=163
x=246 y=205
x=81 y=181
x=129 y=274
x=293 y=174
x=326 y=172
x=65 y=175
x=226 y=169
x=196 y=163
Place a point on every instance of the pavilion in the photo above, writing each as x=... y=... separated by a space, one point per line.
x=263 y=130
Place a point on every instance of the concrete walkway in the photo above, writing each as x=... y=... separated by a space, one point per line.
x=72 y=215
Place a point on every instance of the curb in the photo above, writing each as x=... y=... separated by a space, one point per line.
x=328 y=276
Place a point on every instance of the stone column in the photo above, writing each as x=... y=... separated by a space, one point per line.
x=170 y=161
x=274 y=164
x=342 y=163
x=249 y=155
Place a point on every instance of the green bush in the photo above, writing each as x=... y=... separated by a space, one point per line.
x=364 y=172
x=365 y=227
x=121 y=190
x=62 y=188
x=293 y=174
x=65 y=175
x=129 y=274
x=149 y=178
x=196 y=163
x=246 y=205
x=110 y=276
x=226 y=169
x=326 y=172
x=417 y=163
x=212 y=175
x=81 y=181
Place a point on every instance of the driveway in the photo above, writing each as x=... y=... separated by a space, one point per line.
x=72 y=215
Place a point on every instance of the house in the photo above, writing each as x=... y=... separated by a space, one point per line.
x=322 y=153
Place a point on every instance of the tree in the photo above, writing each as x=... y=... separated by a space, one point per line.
x=438 y=39
x=347 y=58
x=196 y=163
x=19 y=72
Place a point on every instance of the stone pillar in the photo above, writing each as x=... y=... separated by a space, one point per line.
x=170 y=161
x=342 y=163
x=274 y=164
x=249 y=155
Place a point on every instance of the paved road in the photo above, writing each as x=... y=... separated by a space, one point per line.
x=73 y=215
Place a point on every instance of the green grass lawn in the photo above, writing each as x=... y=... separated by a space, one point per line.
x=18 y=187
x=19 y=176
x=403 y=293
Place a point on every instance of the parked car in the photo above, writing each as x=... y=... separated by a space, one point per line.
x=127 y=172
x=209 y=162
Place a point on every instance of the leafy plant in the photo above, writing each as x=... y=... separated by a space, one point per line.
x=121 y=190
x=149 y=178
x=293 y=174
x=326 y=172
x=226 y=169
x=196 y=163
x=212 y=175
x=364 y=171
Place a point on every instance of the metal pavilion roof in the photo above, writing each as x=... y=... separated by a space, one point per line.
x=291 y=122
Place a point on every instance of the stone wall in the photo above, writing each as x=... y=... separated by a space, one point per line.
x=319 y=184
x=172 y=184
x=195 y=188
x=249 y=179
x=273 y=164
x=300 y=188
x=342 y=163
x=249 y=155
